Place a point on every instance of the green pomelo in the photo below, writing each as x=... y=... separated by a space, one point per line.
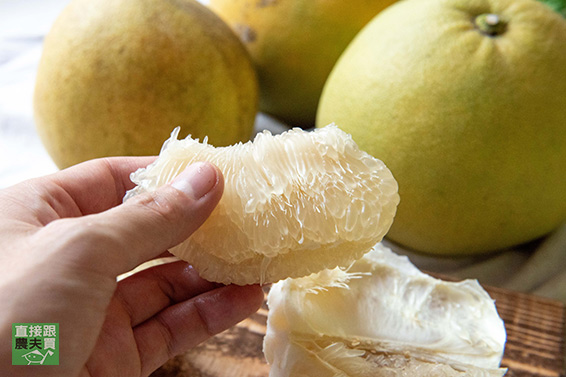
x=465 y=101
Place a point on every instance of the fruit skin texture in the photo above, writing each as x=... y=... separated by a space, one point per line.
x=293 y=204
x=116 y=76
x=472 y=126
x=294 y=44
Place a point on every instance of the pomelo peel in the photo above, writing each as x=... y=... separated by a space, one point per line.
x=382 y=317
x=116 y=75
x=294 y=44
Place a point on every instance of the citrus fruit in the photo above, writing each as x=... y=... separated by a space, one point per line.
x=116 y=76
x=293 y=204
x=464 y=102
x=382 y=317
x=294 y=44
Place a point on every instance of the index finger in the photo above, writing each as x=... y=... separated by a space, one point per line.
x=98 y=185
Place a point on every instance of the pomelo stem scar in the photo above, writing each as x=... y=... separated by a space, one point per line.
x=490 y=24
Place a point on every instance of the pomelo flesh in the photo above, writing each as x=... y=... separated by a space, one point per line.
x=293 y=204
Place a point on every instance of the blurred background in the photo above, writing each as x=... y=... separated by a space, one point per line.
x=22 y=28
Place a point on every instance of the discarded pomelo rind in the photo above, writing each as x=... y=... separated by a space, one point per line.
x=382 y=317
x=293 y=204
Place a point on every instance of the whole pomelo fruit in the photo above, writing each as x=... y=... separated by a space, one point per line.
x=294 y=45
x=465 y=101
x=116 y=76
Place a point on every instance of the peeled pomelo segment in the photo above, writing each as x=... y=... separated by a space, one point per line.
x=293 y=204
x=382 y=317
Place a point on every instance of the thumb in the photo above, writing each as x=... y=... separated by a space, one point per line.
x=118 y=240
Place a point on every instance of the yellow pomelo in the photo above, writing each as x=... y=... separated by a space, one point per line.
x=117 y=75
x=293 y=204
x=465 y=101
x=294 y=45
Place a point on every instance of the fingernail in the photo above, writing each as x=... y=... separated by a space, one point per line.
x=196 y=180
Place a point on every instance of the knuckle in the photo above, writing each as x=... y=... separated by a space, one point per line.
x=166 y=211
x=69 y=239
x=200 y=306
x=168 y=336
x=166 y=207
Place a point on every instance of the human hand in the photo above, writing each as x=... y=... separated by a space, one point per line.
x=65 y=238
